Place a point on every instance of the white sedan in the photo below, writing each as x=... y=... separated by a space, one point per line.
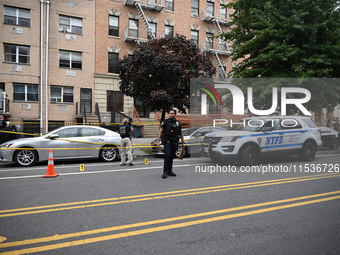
x=67 y=142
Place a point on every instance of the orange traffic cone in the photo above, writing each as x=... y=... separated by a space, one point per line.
x=50 y=166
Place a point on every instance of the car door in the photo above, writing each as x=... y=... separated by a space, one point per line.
x=284 y=136
x=90 y=142
x=273 y=137
x=64 y=145
x=294 y=134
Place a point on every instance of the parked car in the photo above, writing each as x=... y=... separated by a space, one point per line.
x=256 y=137
x=67 y=142
x=14 y=133
x=193 y=135
x=330 y=138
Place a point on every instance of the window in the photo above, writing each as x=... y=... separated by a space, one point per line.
x=194 y=36
x=115 y=101
x=70 y=24
x=153 y=27
x=169 y=5
x=310 y=123
x=114 y=25
x=61 y=94
x=195 y=8
x=113 y=60
x=133 y=28
x=169 y=31
x=87 y=131
x=70 y=59
x=25 y=92
x=209 y=41
x=223 y=12
x=223 y=45
x=210 y=8
x=17 y=16
x=290 y=124
x=68 y=132
x=17 y=53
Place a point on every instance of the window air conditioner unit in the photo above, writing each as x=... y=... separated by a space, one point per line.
x=17 y=30
x=64 y=29
x=55 y=100
x=16 y=68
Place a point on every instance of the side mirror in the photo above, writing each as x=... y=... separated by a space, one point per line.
x=53 y=136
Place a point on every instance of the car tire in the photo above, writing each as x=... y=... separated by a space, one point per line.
x=25 y=157
x=108 y=154
x=249 y=155
x=308 y=152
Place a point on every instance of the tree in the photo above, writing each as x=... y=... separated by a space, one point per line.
x=287 y=39
x=159 y=72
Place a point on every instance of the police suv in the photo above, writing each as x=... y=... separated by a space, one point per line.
x=247 y=141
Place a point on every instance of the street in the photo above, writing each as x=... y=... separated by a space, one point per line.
x=283 y=206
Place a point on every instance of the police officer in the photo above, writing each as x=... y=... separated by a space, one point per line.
x=170 y=132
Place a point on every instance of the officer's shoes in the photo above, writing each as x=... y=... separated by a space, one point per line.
x=172 y=174
x=122 y=164
x=164 y=175
x=130 y=164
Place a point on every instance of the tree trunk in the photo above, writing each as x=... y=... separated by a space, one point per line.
x=163 y=115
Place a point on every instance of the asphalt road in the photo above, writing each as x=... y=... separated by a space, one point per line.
x=283 y=206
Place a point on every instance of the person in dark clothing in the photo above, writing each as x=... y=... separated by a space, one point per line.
x=126 y=151
x=3 y=123
x=170 y=132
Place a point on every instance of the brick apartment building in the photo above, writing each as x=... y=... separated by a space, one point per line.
x=60 y=56
x=122 y=24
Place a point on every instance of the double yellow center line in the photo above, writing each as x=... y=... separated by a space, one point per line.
x=198 y=218
x=154 y=196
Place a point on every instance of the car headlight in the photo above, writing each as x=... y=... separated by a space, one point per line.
x=6 y=145
x=229 y=139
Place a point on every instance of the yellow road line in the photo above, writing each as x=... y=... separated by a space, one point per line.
x=156 y=197
x=162 y=193
x=162 y=228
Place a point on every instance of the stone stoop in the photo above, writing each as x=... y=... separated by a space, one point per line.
x=91 y=120
x=151 y=128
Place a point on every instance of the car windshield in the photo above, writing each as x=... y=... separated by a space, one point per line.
x=189 y=131
x=249 y=125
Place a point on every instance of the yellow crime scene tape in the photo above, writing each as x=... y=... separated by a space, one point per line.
x=69 y=140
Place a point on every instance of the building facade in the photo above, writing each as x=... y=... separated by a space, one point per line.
x=60 y=56
x=48 y=50
x=122 y=24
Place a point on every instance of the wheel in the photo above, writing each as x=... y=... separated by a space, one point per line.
x=249 y=155
x=25 y=157
x=308 y=152
x=108 y=153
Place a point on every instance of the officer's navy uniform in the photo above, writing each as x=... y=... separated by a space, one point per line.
x=172 y=130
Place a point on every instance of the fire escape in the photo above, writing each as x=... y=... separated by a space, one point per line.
x=224 y=48
x=143 y=7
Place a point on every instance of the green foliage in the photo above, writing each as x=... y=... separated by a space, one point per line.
x=288 y=39
x=159 y=72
